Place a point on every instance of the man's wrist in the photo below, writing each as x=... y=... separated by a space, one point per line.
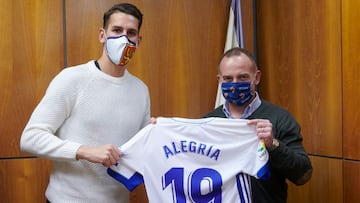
x=275 y=144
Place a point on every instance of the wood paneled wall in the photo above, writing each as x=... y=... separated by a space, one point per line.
x=351 y=76
x=307 y=51
x=351 y=98
x=31 y=54
x=299 y=54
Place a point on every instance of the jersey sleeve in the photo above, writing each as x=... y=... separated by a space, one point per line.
x=129 y=169
x=241 y=147
x=261 y=165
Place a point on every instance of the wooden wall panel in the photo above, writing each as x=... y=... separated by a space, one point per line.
x=24 y=180
x=351 y=181
x=7 y=117
x=32 y=53
x=247 y=11
x=325 y=186
x=189 y=46
x=299 y=54
x=83 y=21
x=351 y=75
x=182 y=41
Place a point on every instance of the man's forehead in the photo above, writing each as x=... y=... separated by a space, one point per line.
x=123 y=20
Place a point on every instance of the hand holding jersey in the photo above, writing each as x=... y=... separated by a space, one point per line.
x=193 y=159
x=107 y=154
x=265 y=132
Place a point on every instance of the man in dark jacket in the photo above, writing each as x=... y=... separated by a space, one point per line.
x=239 y=75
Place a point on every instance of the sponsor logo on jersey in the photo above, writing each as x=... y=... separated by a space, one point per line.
x=262 y=152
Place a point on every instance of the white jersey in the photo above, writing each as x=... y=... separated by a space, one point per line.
x=193 y=160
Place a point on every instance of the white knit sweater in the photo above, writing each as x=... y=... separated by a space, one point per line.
x=84 y=106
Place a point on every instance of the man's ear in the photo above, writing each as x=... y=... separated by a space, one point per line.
x=257 y=77
x=139 y=40
x=102 y=35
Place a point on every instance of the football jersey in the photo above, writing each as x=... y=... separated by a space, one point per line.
x=193 y=160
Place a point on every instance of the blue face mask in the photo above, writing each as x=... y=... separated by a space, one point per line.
x=237 y=92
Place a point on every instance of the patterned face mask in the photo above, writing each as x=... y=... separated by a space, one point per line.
x=237 y=92
x=120 y=49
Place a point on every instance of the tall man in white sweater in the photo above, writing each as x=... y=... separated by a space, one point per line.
x=87 y=111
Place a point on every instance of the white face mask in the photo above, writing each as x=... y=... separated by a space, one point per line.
x=120 y=49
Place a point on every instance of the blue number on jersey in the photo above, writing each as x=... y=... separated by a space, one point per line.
x=204 y=185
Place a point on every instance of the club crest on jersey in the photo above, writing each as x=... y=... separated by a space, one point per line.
x=185 y=146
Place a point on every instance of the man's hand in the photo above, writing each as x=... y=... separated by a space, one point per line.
x=107 y=154
x=152 y=120
x=263 y=130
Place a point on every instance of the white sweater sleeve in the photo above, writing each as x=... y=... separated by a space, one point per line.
x=39 y=136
